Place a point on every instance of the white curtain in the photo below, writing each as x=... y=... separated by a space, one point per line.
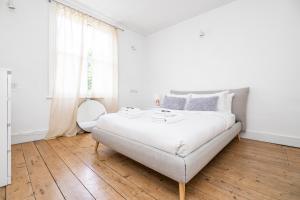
x=84 y=64
x=100 y=80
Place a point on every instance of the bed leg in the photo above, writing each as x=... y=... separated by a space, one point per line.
x=97 y=145
x=181 y=191
x=238 y=137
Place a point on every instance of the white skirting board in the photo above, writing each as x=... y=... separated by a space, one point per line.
x=253 y=135
x=28 y=136
x=272 y=138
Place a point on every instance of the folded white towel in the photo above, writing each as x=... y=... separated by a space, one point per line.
x=129 y=109
x=167 y=118
x=130 y=112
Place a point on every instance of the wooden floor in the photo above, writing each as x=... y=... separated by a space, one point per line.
x=68 y=168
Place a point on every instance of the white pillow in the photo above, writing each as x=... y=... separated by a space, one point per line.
x=222 y=100
x=229 y=103
x=179 y=95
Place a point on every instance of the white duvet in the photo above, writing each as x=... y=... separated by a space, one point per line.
x=181 y=138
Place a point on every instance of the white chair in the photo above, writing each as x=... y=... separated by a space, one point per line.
x=88 y=113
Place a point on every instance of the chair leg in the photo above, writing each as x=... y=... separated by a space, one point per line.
x=97 y=145
x=181 y=191
x=238 y=137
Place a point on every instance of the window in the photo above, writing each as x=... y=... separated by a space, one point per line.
x=98 y=61
x=83 y=54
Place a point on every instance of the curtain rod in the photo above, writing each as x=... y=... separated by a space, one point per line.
x=78 y=9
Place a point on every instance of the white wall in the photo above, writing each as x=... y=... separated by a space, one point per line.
x=252 y=43
x=24 y=49
x=130 y=69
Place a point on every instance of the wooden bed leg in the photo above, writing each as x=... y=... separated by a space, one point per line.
x=181 y=191
x=97 y=145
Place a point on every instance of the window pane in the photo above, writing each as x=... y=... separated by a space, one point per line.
x=97 y=76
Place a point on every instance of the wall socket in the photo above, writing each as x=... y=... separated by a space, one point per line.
x=14 y=85
x=133 y=91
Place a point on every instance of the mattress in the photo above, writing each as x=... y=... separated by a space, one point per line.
x=179 y=138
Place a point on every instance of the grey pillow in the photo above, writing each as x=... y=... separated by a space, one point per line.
x=239 y=102
x=174 y=103
x=203 y=104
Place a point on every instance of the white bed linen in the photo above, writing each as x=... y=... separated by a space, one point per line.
x=180 y=138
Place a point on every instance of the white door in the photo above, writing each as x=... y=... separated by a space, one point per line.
x=9 y=127
x=3 y=128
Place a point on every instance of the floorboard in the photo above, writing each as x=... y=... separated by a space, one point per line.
x=42 y=182
x=69 y=168
x=20 y=187
x=98 y=188
x=121 y=184
x=2 y=193
x=68 y=183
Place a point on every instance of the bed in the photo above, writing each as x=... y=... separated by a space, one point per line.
x=176 y=150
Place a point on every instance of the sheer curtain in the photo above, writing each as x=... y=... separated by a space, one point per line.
x=84 y=64
x=100 y=58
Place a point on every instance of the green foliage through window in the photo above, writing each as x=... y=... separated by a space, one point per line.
x=90 y=66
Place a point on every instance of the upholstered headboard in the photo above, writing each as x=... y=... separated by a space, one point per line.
x=239 y=102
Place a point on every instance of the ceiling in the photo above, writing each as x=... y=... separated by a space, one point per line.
x=149 y=16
